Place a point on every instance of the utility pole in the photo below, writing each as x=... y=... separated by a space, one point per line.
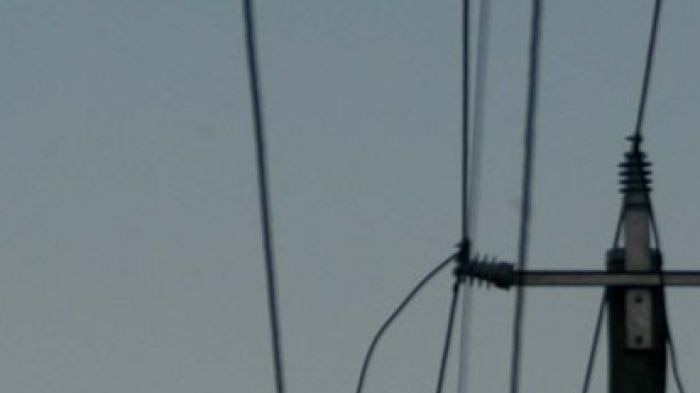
x=634 y=282
x=636 y=315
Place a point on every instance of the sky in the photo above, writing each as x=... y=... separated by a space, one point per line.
x=129 y=231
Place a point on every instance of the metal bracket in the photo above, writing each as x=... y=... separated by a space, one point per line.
x=638 y=329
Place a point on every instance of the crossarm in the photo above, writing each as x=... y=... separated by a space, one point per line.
x=604 y=278
x=504 y=275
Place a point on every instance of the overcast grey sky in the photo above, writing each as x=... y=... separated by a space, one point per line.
x=131 y=258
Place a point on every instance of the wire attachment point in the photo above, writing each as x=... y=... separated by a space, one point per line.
x=462 y=259
x=490 y=270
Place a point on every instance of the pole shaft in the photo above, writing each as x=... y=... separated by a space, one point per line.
x=637 y=337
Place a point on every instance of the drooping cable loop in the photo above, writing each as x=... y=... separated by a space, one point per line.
x=383 y=328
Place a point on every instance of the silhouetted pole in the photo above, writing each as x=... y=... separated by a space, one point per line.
x=637 y=328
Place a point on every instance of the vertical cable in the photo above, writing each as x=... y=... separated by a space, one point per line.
x=448 y=336
x=265 y=215
x=641 y=109
x=465 y=120
x=477 y=130
x=466 y=201
x=474 y=171
x=525 y=209
x=675 y=369
x=648 y=66
x=594 y=344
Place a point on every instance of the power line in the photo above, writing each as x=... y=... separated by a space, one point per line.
x=448 y=335
x=675 y=369
x=525 y=209
x=394 y=315
x=649 y=63
x=641 y=109
x=465 y=120
x=477 y=131
x=265 y=213
x=594 y=344
x=467 y=204
x=475 y=173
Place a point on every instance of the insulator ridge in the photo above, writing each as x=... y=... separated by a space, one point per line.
x=490 y=270
x=635 y=170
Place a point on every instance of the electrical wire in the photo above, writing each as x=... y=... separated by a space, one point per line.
x=448 y=335
x=465 y=120
x=648 y=66
x=265 y=214
x=594 y=344
x=394 y=315
x=477 y=131
x=675 y=369
x=467 y=203
x=618 y=228
x=525 y=209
